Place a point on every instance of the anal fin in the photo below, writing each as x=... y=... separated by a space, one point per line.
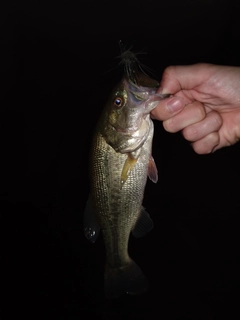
x=144 y=224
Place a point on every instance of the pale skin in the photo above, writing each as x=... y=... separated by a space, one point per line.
x=204 y=105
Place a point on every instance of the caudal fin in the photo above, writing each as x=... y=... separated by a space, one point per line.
x=128 y=279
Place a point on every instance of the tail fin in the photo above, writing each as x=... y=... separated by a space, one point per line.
x=127 y=279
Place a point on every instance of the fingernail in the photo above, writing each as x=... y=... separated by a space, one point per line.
x=161 y=90
x=175 y=104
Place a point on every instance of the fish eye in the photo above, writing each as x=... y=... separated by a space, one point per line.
x=118 y=102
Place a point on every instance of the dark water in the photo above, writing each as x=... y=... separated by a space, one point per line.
x=56 y=77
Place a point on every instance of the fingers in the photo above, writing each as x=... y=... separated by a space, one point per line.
x=198 y=126
x=176 y=78
x=189 y=115
x=207 y=144
x=204 y=134
x=197 y=131
x=182 y=112
x=167 y=108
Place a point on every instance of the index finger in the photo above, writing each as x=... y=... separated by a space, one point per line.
x=177 y=78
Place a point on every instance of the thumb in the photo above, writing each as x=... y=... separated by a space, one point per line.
x=167 y=108
x=177 y=78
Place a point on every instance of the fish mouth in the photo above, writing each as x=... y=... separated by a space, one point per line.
x=132 y=138
x=131 y=130
x=139 y=92
x=127 y=131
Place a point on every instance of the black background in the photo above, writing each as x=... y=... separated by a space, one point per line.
x=58 y=65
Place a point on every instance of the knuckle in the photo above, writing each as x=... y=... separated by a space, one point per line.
x=217 y=120
x=200 y=112
x=198 y=149
x=169 y=70
x=207 y=144
x=169 y=125
x=190 y=133
x=213 y=138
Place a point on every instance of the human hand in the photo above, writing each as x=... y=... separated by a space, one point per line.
x=204 y=105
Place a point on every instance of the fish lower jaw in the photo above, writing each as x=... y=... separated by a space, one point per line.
x=127 y=131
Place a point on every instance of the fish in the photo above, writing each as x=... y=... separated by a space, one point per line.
x=120 y=162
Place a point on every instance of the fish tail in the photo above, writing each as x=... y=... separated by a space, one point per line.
x=127 y=279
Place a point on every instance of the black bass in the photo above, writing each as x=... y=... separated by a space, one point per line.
x=121 y=160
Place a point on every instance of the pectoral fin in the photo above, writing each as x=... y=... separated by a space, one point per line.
x=144 y=224
x=152 y=170
x=128 y=166
x=91 y=227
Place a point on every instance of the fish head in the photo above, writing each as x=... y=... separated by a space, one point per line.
x=130 y=105
x=127 y=115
